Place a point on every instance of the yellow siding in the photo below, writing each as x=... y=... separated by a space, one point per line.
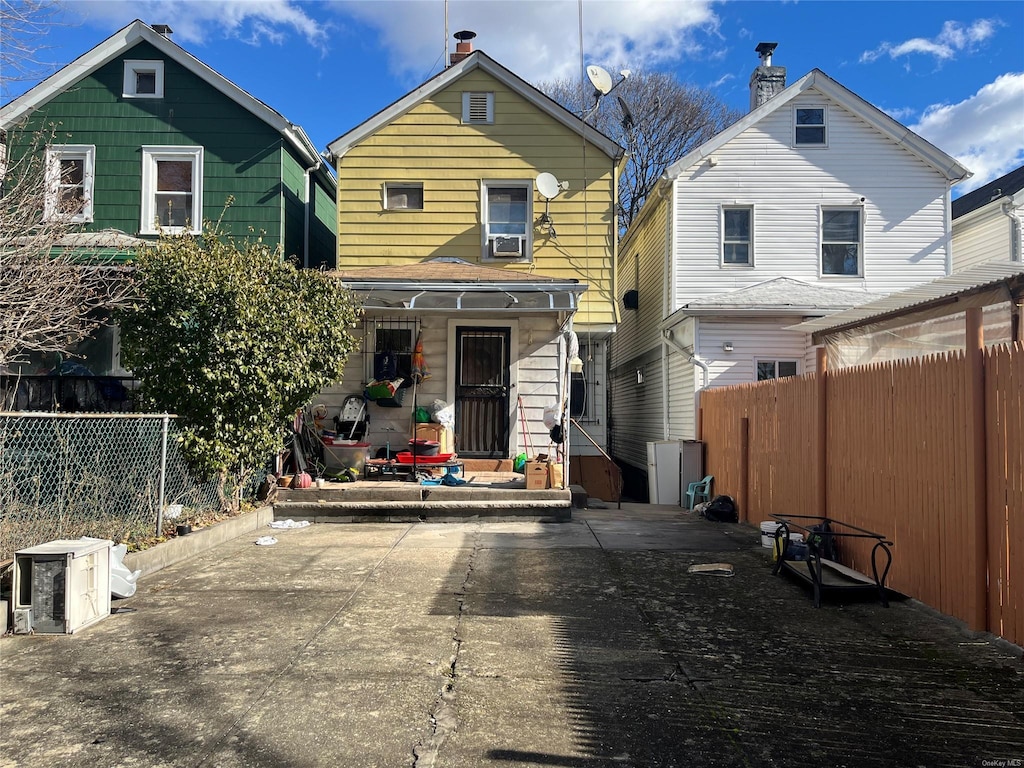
x=642 y=266
x=429 y=144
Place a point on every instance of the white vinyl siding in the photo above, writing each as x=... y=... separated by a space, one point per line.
x=904 y=208
x=982 y=235
x=752 y=340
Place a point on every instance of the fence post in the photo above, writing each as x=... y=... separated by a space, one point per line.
x=745 y=468
x=977 y=469
x=821 y=364
x=163 y=473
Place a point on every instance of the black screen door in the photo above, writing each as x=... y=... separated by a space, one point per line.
x=482 y=361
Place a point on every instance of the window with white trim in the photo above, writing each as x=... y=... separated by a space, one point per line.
x=507 y=208
x=403 y=196
x=477 y=107
x=738 y=236
x=809 y=127
x=172 y=190
x=841 y=242
x=143 y=79
x=70 y=173
x=775 y=369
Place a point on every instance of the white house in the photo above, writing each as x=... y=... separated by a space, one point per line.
x=814 y=202
x=988 y=223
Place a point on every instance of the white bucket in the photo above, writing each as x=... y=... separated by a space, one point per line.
x=768 y=528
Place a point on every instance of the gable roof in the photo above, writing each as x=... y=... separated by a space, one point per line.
x=1005 y=186
x=872 y=115
x=483 y=62
x=779 y=296
x=125 y=39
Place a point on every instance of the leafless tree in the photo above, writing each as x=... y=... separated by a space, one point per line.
x=24 y=25
x=655 y=117
x=55 y=286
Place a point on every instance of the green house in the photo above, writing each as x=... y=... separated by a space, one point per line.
x=147 y=138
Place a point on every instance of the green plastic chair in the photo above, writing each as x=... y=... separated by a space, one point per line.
x=698 y=492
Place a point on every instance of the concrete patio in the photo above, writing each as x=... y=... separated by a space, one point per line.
x=475 y=644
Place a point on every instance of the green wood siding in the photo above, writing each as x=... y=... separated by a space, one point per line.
x=323 y=226
x=242 y=154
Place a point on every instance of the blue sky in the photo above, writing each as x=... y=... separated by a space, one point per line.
x=951 y=71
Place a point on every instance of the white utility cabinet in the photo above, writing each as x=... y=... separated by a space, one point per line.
x=62 y=586
x=663 y=459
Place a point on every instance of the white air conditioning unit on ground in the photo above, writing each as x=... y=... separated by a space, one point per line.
x=61 y=586
x=507 y=247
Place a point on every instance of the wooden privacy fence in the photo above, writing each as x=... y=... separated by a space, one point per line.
x=925 y=451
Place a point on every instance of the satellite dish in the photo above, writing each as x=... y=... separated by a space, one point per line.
x=548 y=185
x=599 y=78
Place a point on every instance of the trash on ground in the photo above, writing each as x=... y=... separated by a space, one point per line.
x=266 y=541
x=288 y=523
x=712 y=569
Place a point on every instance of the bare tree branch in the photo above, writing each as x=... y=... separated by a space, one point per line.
x=24 y=25
x=655 y=117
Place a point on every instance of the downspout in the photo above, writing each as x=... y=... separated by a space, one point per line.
x=1015 y=227
x=691 y=357
x=305 y=224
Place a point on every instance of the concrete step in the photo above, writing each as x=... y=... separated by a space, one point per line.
x=411 y=502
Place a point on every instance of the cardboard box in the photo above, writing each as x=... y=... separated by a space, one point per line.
x=537 y=477
x=437 y=433
x=554 y=475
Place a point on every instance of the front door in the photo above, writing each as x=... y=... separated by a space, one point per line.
x=482 y=364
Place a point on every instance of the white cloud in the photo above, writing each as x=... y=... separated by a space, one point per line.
x=539 y=39
x=954 y=38
x=251 y=21
x=983 y=132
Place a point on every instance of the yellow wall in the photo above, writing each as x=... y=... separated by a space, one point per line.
x=429 y=144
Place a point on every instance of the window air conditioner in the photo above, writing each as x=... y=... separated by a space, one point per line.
x=62 y=586
x=510 y=247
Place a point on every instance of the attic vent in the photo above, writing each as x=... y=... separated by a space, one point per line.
x=477 y=107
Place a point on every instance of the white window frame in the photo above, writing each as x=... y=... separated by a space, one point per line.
x=467 y=98
x=822 y=209
x=485 y=186
x=134 y=67
x=758 y=361
x=722 y=241
x=54 y=154
x=823 y=126
x=390 y=186
x=150 y=156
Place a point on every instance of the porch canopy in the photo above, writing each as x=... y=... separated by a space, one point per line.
x=447 y=284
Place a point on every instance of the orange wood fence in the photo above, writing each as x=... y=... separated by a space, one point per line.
x=900 y=458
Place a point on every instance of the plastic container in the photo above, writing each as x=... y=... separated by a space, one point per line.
x=346 y=456
x=425 y=447
x=797 y=549
x=768 y=528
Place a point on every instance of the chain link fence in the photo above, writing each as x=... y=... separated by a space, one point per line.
x=112 y=476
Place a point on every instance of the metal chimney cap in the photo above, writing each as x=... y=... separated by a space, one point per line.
x=766 y=49
x=464 y=35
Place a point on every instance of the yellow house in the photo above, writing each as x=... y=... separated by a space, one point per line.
x=478 y=216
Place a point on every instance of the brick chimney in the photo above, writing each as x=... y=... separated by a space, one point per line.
x=163 y=29
x=766 y=81
x=464 y=47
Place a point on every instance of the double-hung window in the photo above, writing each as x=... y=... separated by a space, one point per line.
x=738 y=236
x=172 y=190
x=775 y=369
x=841 y=241
x=143 y=79
x=809 y=127
x=507 y=212
x=70 y=170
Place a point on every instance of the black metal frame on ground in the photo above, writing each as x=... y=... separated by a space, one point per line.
x=821 y=536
